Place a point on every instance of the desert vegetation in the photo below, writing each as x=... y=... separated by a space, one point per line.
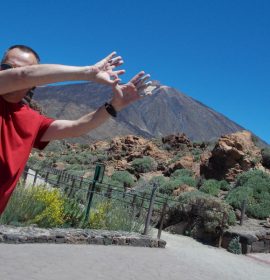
x=203 y=183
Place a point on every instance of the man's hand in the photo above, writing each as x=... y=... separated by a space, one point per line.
x=130 y=92
x=123 y=95
x=104 y=70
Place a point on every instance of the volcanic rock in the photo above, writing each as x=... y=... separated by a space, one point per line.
x=232 y=155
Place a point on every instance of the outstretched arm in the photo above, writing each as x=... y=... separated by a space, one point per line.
x=123 y=96
x=34 y=75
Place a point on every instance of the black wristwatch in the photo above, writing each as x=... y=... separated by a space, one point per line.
x=110 y=109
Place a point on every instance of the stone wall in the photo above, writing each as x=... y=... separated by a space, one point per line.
x=9 y=234
x=254 y=237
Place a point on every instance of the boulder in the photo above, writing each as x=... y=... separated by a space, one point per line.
x=232 y=155
x=177 y=141
x=185 y=162
x=132 y=147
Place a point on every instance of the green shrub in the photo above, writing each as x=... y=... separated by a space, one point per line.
x=203 y=212
x=49 y=208
x=253 y=186
x=224 y=185
x=124 y=177
x=73 y=213
x=196 y=152
x=169 y=186
x=114 y=215
x=111 y=183
x=160 y=180
x=252 y=175
x=184 y=176
x=143 y=165
x=182 y=173
x=235 y=246
x=211 y=187
x=34 y=205
x=189 y=181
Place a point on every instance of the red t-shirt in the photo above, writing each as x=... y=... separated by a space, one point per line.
x=21 y=129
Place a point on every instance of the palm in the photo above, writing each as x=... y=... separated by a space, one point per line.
x=130 y=92
x=105 y=72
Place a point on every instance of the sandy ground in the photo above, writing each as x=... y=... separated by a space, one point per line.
x=183 y=258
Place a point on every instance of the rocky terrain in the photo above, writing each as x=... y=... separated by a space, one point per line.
x=203 y=178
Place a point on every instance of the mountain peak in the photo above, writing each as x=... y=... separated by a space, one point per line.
x=167 y=111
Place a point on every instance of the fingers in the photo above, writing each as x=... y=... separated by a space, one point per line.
x=116 y=61
x=119 y=72
x=116 y=82
x=135 y=79
x=114 y=76
x=141 y=81
x=110 y=56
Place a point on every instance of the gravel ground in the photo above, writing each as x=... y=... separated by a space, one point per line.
x=183 y=258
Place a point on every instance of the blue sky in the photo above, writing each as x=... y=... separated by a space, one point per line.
x=217 y=52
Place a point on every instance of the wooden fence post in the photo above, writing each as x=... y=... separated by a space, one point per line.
x=162 y=218
x=150 y=209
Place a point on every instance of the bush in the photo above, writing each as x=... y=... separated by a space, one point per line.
x=98 y=215
x=182 y=173
x=143 y=165
x=48 y=208
x=253 y=186
x=235 y=246
x=169 y=186
x=159 y=180
x=114 y=215
x=251 y=175
x=73 y=213
x=224 y=185
x=196 y=152
x=213 y=186
x=203 y=212
x=34 y=205
x=52 y=203
x=124 y=177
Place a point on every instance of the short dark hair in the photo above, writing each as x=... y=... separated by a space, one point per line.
x=28 y=99
x=23 y=48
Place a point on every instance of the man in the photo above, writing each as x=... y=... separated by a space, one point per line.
x=22 y=128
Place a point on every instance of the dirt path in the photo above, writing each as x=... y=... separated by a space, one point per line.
x=183 y=258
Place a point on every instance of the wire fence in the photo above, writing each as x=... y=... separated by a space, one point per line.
x=148 y=204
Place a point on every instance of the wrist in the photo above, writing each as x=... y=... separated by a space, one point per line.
x=116 y=105
x=90 y=72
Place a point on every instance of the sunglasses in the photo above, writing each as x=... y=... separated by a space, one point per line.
x=6 y=66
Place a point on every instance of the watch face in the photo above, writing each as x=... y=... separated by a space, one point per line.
x=110 y=109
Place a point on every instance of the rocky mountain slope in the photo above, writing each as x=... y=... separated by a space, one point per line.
x=168 y=111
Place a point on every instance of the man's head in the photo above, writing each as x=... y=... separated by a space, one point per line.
x=22 y=48
x=18 y=56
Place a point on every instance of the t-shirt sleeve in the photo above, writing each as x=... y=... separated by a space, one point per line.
x=45 y=123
